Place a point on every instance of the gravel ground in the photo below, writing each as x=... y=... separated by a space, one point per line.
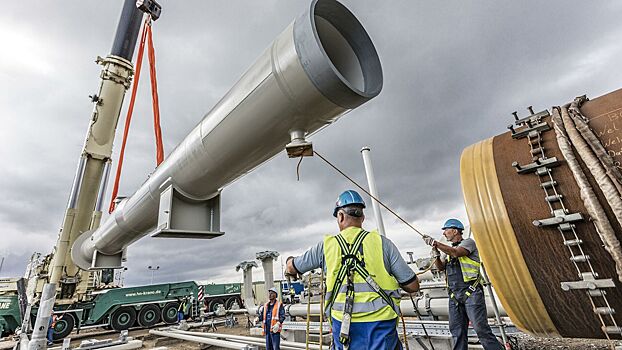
x=521 y=341
x=527 y=342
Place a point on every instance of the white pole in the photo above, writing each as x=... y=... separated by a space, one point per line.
x=38 y=340
x=365 y=151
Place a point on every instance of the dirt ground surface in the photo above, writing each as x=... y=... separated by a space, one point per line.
x=527 y=342
x=153 y=341
x=149 y=341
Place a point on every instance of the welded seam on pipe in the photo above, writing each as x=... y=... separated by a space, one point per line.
x=567 y=137
x=594 y=142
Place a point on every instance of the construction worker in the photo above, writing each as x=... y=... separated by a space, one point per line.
x=364 y=272
x=182 y=309
x=272 y=315
x=466 y=294
x=51 y=325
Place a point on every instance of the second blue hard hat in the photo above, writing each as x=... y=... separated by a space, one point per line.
x=349 y=197
x=453 y=223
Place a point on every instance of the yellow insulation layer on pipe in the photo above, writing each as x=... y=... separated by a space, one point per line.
x=497 y=243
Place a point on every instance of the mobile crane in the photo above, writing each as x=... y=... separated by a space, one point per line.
x=319 y=68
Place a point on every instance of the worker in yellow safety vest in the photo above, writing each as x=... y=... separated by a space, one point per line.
x=364 y=272
x=182 y=310
x=466 y=295
x=272 y=315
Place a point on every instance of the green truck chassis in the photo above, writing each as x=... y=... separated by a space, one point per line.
x=122 y=308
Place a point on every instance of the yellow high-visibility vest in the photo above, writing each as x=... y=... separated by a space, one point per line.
x=469 y=268
x=368 y=305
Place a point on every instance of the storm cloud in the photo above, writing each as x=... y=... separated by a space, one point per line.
x=453 y=73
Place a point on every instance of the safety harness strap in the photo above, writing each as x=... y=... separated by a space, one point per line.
x=343 y=270
x=365 y=288
x=470 y=290
x=370 y=281
x=352 y=262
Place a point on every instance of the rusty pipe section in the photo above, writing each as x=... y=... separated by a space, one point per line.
x=321 y=66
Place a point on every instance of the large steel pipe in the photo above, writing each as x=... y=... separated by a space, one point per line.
x=425 y=307
x=551 y=282
x=323 y=65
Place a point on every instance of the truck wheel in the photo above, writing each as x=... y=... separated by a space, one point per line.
x=169 y=312
x=123 y=318
x=213 y=304
x=229 y=303
x=148 y=315
x=64 y=326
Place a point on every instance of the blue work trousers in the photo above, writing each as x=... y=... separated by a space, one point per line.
x=471 y=308
x=273 y=341
x=378 y=335
x=50 y=334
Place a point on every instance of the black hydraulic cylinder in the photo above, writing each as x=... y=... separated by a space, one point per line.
x=127 y=31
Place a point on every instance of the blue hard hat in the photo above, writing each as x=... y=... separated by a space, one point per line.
x=346 y=198
x=453 y=223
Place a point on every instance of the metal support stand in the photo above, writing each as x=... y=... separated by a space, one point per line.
x=267 y=259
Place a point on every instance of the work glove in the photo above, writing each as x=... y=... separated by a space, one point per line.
x=276 y=328
x=429 y=240
x=293 y=276
x=435 y=253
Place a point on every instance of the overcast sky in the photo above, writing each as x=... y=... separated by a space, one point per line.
x=453 y=73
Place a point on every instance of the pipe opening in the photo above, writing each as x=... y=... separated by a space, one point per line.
x=338 y=54
x=348 y=46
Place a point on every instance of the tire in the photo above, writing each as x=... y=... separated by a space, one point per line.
x=123 y=318
x=169 y=313
x=229 y=303
x=63 y=327
x=214 y=303
x=149 y=315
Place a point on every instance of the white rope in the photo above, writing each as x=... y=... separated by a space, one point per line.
x=567 y=137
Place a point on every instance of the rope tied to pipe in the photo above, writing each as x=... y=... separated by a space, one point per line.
x=367 y=192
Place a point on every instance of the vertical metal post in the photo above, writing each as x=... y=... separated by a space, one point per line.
x=365 y=151
x=46 y=306
x=494 y=306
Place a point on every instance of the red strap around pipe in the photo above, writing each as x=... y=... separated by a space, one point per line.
x=155 y=101
x=146 y=35
x=128 y=118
